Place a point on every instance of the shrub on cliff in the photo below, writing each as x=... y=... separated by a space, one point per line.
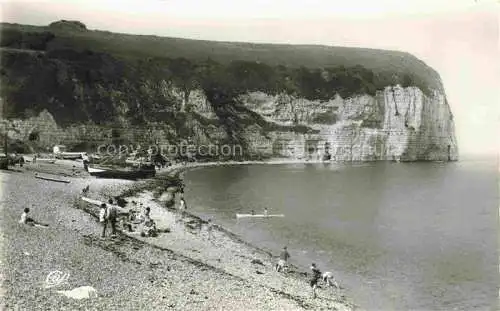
x=68 y=25
x=16 y=39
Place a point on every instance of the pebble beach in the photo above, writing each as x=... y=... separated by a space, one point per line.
x=182 y=269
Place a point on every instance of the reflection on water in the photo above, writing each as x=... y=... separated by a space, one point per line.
x=399 y=235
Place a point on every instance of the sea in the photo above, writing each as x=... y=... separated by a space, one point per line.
x=398 y=236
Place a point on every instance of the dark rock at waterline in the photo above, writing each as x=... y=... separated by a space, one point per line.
x=166 y=197
x=173 y=189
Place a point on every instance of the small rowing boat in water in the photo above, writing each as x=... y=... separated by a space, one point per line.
x=258 y=215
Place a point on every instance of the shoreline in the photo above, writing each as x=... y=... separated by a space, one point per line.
x=233 y=273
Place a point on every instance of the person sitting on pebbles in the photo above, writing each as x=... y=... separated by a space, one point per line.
x=127 y=222
x=25 y=219
x=85 y=190
x=149 y=229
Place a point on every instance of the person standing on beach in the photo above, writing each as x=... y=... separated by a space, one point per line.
x=147 y=214
x=209 y=229
x=102 y=219
x=85 y=159
x=266 y=213
x=112 y=218
x=283 y=260
x=108 y=214
x=182 y=207
x=316 y=276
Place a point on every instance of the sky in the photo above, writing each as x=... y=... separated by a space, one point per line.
x=458 y=38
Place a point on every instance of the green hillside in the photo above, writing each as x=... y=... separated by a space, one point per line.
x=60 y=35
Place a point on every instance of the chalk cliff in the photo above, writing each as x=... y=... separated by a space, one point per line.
x=397 y=123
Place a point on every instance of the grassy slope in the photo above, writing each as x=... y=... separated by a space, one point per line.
x=312 y=56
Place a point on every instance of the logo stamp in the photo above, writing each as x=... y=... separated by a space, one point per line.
x=56 y=278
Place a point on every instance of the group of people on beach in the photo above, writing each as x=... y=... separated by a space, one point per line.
x=316 y=275
x=137 y=222
x=109 y=215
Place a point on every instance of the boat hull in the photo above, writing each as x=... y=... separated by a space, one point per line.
x=68 y=155
x=258 y=215
x=118 y=174
x=94 y=170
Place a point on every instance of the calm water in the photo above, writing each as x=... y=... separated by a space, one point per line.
x=419 y=236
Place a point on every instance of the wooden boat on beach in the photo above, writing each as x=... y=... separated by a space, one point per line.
x=94 y=170
x=142 y=172
x=45 y=160
x=258 y=215
x=60 y=152
x=52 y=179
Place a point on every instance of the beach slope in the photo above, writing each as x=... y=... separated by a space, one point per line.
x=179 y=270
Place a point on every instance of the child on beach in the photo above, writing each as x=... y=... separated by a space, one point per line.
x=129 y=221
x=283 y=261
x=85 y=190
x=146 y=215
x=149 y=229
x=316 y=276
x=25 y=219
x=102 y=218
x=209 y=229
x=182 y=207
x=329 y=279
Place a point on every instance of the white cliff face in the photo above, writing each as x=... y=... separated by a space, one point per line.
x=42 y=128
x=200 y=104
x=396 y=124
